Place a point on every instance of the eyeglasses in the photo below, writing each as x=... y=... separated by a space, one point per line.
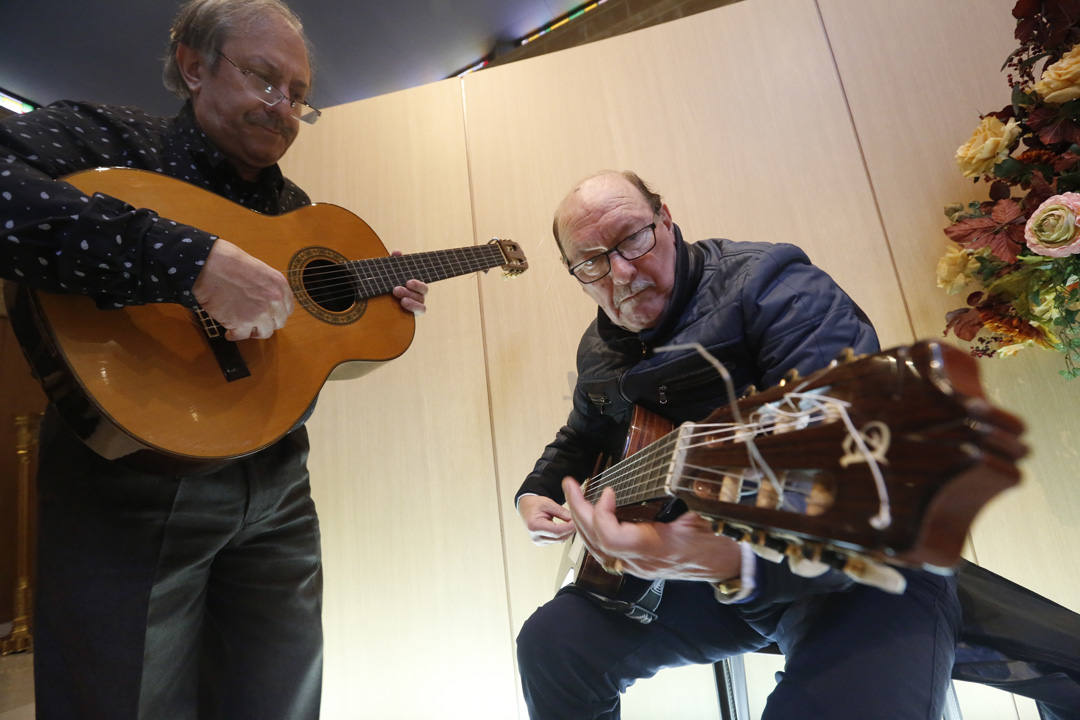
x=632 y=247
x=270 y=96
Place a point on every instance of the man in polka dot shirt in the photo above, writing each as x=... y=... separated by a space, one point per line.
x=166 y=596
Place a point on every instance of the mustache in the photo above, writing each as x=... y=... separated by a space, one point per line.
x=273 y=123
x=622 y=293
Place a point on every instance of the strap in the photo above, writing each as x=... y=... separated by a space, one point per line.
x=642 y=609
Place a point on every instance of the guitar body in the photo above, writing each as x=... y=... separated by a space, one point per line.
x=645 y=429
x=143 y=383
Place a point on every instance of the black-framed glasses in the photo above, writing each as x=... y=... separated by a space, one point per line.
x=270 y=96
x=631 y=247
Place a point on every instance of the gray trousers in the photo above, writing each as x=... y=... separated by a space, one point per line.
x=176 y=597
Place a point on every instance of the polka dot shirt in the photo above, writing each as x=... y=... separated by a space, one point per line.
x=53 y=237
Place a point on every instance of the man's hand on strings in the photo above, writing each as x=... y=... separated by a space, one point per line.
x=411 y=295
x=684 y=549
x=539 y=514
x=246 y=296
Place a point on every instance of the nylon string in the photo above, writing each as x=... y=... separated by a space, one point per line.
x=371 y=277
x=644 y=475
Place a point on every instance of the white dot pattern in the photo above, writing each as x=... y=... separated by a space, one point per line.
x=56 y=238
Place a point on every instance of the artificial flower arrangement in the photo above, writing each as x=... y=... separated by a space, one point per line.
x=1017 y=254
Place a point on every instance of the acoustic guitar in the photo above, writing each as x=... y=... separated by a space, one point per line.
x=158 y=386
x=879 y=461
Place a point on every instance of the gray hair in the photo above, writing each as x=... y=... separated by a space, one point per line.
x=205 y=25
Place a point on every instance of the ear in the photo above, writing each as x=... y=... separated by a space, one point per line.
x=665 y=216
x=192 y=68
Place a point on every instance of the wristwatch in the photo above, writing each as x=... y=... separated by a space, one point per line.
x=726 y=590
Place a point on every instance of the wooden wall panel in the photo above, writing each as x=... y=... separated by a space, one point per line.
x=917 y=76
x=402 y=472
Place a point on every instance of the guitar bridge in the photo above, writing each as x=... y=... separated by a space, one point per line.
x=225 y=352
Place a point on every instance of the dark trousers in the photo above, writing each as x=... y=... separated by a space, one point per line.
x=176 y=597
x=861 y=653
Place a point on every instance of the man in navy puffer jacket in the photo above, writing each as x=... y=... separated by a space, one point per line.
x=852 y=650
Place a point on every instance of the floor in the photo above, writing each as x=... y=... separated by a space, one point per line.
x=17 y=687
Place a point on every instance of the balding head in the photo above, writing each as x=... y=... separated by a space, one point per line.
x=652 y=198
x=609 y=210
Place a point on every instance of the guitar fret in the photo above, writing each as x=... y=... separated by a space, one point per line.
x=640 y=476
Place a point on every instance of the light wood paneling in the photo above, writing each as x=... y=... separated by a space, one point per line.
x=916 y=93
x=415 y=611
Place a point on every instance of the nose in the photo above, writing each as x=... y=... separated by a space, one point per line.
x=622 y=270
x=281 y=109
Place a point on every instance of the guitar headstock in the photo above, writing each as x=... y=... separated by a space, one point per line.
x=889 y=456
x=514 y=257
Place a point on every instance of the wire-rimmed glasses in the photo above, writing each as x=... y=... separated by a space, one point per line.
x=270 y=96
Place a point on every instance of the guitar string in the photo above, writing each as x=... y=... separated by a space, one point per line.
x=628 y=479
x=738 y=430
x=624 y=477
x=433 y=260
x=380 y=279
x=351 y=286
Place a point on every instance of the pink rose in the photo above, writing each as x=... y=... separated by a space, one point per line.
x=1052 y=229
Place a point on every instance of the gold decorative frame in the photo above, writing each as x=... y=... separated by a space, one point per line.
x=21 y=638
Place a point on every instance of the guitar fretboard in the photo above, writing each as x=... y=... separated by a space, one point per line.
x=378 y=276
x=641 y=476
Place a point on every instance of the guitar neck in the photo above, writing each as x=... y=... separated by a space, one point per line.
x=379 y=276
x=644 y=475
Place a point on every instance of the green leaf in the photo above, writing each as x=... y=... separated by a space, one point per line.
x=1010 y=168
x=1020 y=98
x=1069 y=182
x=1031 y=60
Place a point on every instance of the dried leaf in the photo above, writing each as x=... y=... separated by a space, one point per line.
x=965 y=323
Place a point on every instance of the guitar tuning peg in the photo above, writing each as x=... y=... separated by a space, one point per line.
x=789 y=377
x=846 y=355
x=767 y=553
x=879 y=575
x=750 y=390
x=805 y=567
x=808 y=559
x=768 y=547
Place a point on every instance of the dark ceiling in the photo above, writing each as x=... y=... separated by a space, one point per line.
x=110 y=50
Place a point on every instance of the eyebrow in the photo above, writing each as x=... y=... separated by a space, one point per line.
x=601 y=248
x=269 y=71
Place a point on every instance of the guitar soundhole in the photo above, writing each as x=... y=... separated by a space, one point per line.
x=329 y=285
x=322 y=283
